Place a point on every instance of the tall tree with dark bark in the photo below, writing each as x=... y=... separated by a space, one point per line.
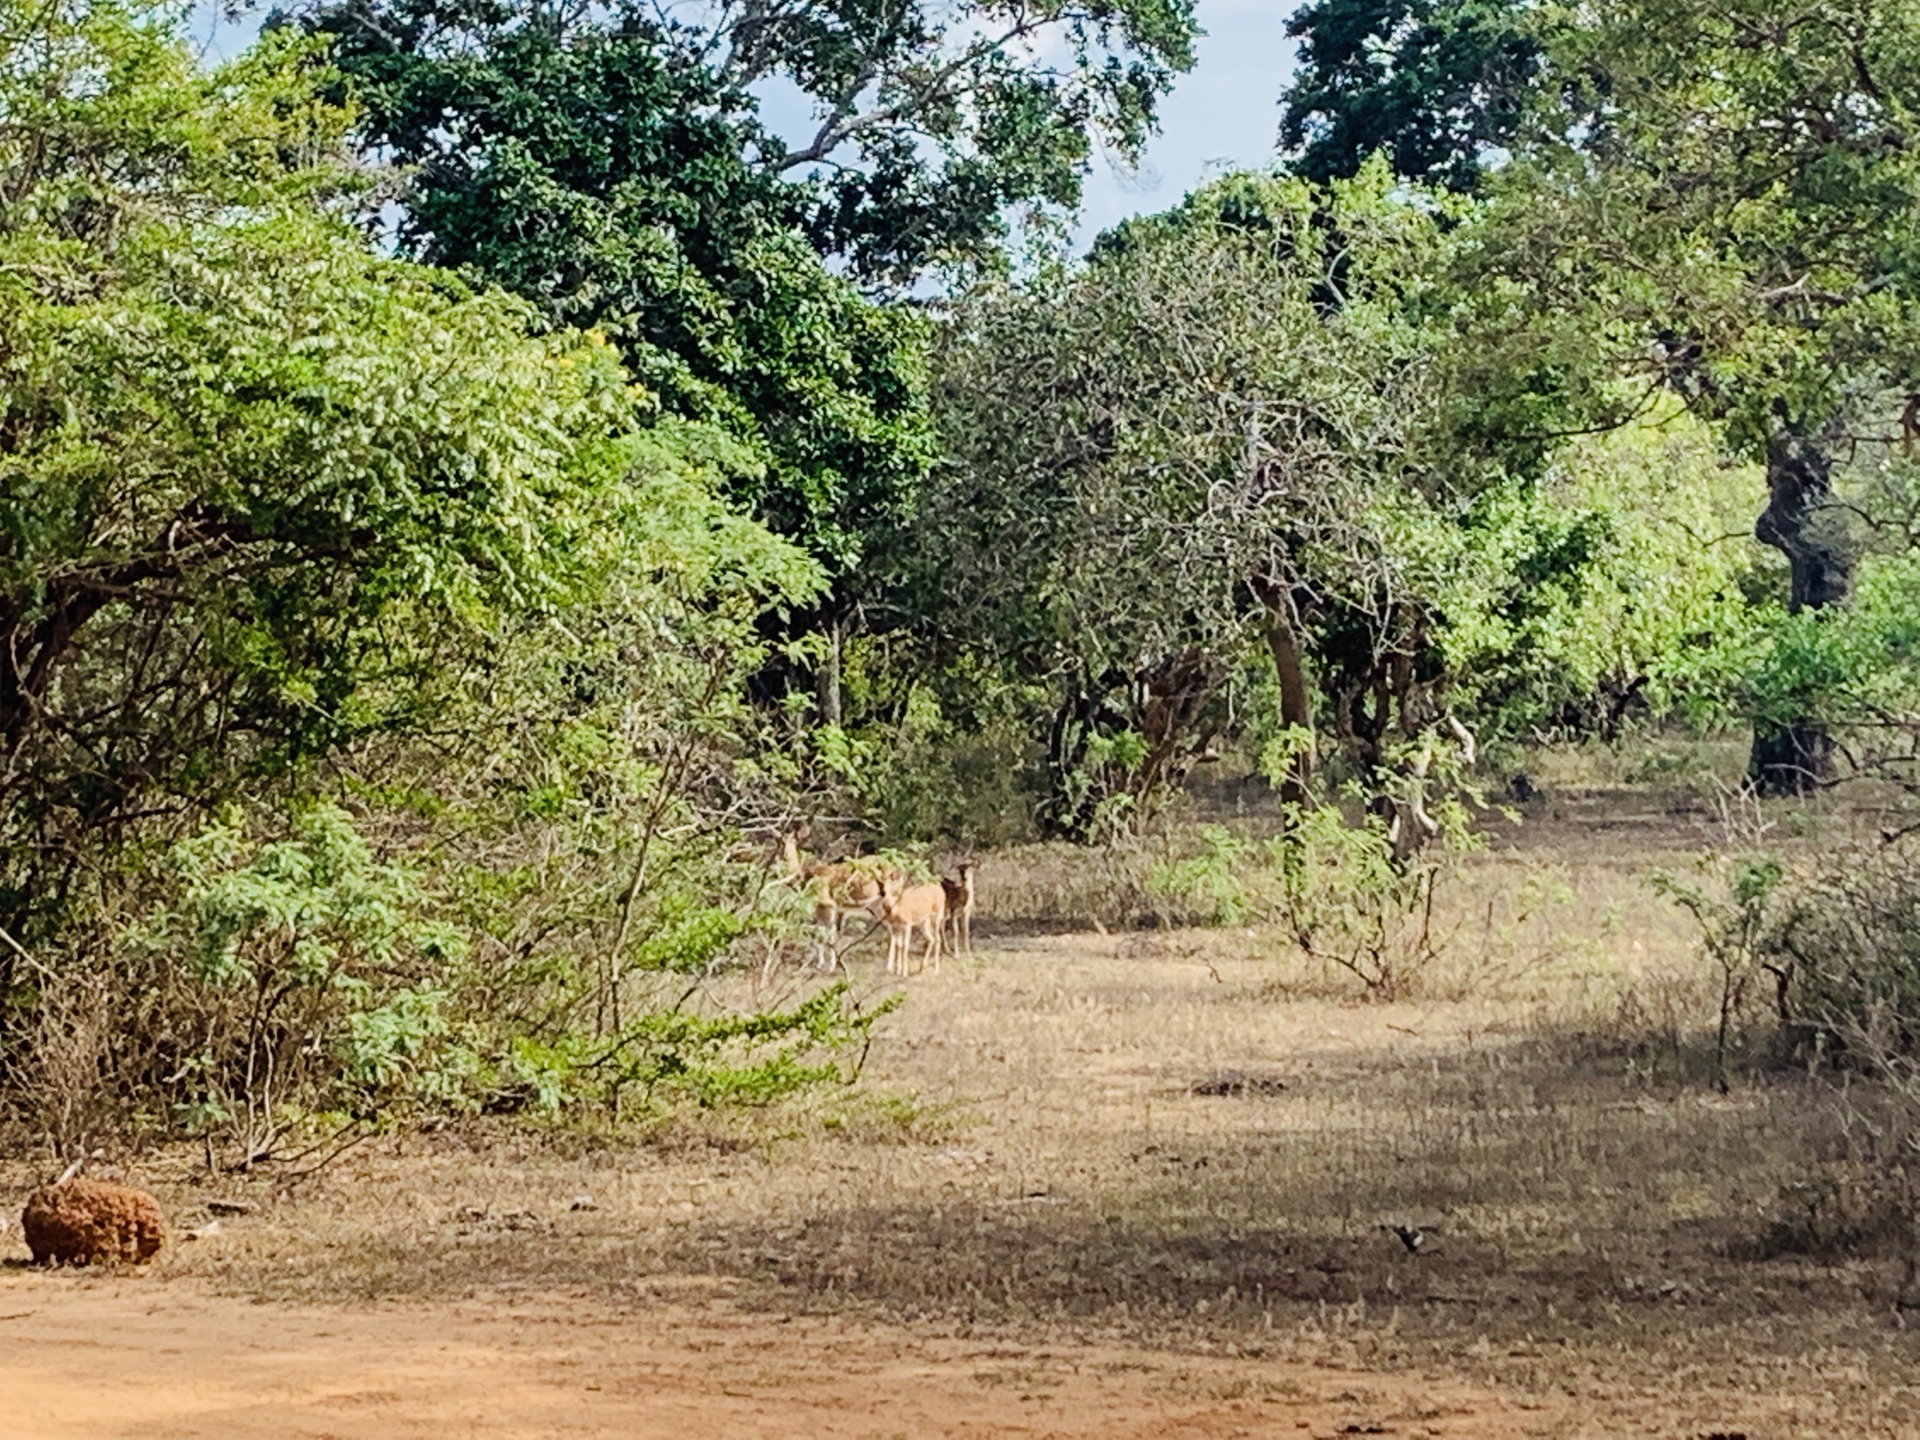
x=1752 y=178
x=1716 y=198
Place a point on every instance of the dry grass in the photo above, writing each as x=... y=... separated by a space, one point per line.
x=1029 y=1158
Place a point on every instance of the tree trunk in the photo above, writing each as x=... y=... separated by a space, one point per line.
x=1074 y=789
x=1171 y=702
x=1290 y=673
x=1799 y=521
x=829 y=676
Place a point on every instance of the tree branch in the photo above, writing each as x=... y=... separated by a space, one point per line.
x=75 y=598
x=842 y=124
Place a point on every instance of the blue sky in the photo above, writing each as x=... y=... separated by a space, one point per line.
x=1222 y=115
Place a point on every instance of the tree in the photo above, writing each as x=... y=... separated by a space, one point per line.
x=929 y=119
x=1745 y=201
x=1212 y=433
x=603 y=178
x=1434 y=85
x=1247 y=426
x=608 y=163
x=373 y=703
x=1711 y=199
x=255 y=475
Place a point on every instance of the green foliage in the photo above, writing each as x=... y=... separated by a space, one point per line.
x=1348 y=894
x=315 y=975
x=253 y=471
x=746 y=1059
x=1249 y=422
x=376 y=708
x=931 y=120
x=319 y=978
x=313 y=908
x=1434 y=85
x=605 y=179
x=610 y=167
x=1618 y=587
x=1144 y=449
x=689 y=939
x=917 y=770
x=1209 y=886
x=1706 y=202
x=1342 y=892
x=1783 y=213
x=1857 y=669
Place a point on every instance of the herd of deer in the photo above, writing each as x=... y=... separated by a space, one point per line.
x=880 y=889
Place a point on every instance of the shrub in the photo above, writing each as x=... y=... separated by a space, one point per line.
x=1843 y=944
x=285 y=975
x=1341 y=890
x=1845 y=951
x=1731 y=902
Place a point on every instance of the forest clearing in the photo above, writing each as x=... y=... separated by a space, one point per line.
x=691 y=741
x=1090 y=1184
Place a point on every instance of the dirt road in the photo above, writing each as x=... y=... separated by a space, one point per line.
x=86 y=1359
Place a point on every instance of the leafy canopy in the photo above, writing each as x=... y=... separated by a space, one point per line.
x=599 y=172
x=255 y=477
x=1220 y=417
x=928 y=118
x=282 y=518
x=1434 y=85
x=1748 y=187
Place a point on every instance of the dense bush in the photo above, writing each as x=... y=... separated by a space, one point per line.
x=374 y=693
x=1844 y=946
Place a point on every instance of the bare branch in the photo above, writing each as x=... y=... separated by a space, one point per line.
x=843 y=122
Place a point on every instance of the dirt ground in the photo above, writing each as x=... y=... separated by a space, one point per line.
x=132 y=1358
x=1135 y=1184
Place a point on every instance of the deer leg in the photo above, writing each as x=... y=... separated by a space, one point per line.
x=826 y=915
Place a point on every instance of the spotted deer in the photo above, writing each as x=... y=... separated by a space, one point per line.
x=907 y=908
x=960 y=898
x=838 y=888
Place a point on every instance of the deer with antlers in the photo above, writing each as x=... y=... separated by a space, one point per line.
x=838 y=887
